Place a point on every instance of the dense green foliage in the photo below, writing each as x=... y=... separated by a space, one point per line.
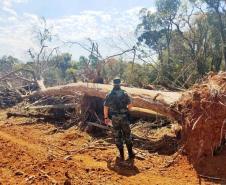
x=8 y=64
x=188 y=38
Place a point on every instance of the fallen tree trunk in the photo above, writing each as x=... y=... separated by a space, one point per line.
x=137 y=112
x=159 y=101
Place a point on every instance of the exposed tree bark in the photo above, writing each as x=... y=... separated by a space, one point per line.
x=41 y=84
x=158 y=101
x=58 y=106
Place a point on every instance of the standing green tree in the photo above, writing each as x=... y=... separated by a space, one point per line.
x=114 y=68
x=8 y=64
x=155 y=30
x=217 y=7
x=62 y=70
x=140 y=75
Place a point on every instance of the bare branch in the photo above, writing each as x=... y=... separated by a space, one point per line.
x=16 y=71
x=118 y=54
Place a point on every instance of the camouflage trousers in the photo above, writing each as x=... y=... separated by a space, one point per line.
x=121 y=130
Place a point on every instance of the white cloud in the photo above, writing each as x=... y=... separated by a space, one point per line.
x=16 y=30
x=20 y=1
x=96 y=24
x=7 y=6
x=6 y=3
x=9 y=10
x=9 y=3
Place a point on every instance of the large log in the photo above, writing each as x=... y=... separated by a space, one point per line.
x=158 y=101
x=136 y=112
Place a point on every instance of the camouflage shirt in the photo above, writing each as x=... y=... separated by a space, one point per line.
x=117 y=101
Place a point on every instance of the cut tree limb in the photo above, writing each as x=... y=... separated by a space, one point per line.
x=58 y=106
x=15 y=114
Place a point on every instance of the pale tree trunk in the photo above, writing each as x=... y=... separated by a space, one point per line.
x=41 y=84
x=159 y=101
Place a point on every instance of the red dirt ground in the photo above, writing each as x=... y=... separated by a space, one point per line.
x=31 y=153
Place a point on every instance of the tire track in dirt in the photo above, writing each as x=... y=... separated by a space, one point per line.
x=22 y=143
x=23 y=161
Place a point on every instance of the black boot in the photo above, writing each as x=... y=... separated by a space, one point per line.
x=121 y=152
x=130 y=151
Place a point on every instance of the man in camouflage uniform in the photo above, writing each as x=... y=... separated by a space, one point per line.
x=116 y=106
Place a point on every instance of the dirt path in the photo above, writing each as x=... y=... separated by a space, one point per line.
x=32 y=153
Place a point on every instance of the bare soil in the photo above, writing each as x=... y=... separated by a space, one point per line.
x=36 y=153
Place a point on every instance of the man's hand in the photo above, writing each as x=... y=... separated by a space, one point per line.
x=130 y=106
x=108 y=122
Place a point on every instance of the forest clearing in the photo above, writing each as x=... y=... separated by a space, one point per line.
x=123 y=92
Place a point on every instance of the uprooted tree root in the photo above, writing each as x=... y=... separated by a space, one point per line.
x=204 y=117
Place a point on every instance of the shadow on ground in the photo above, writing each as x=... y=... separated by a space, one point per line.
x=125 y=168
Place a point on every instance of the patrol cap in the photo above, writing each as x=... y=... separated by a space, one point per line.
x=116 y=81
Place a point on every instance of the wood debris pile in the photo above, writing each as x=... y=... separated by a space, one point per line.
x=9 y=97
x=204 y=117
x=65 y=108
x=79 y=104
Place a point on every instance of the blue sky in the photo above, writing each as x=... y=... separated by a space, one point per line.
x=105 y=21
x=59 y=8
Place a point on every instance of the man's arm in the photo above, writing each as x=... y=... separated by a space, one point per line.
x=107 y=121
x=106 y=112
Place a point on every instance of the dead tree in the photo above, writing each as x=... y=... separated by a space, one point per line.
x=41 y=58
